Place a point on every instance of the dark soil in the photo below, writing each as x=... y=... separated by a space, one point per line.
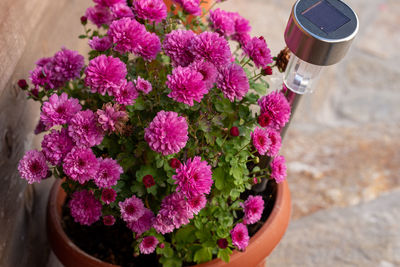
x=113 y=244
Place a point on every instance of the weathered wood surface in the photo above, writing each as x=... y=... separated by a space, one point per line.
x=28 y=30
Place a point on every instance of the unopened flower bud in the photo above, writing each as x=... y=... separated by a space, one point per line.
x=83 y=20
x=23 y=84
x=174 y=163
x=266 y=71
x=222 y=243
x=148 y=181
x=234 y=131
x=257 y=160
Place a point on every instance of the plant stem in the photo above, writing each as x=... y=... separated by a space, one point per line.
x=242 y=149
x=244 y=64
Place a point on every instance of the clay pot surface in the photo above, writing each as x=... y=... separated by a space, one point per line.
x=260 y=245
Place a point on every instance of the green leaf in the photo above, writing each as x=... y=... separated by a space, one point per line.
x=259 y=88
x=139 y=104
x=170 y=262
x=224 y=105
x=219 y=177
x=82 y=36
x=185 y=235
x=203 y=255
x=224 y=254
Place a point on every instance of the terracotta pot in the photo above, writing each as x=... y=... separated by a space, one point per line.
x=260 y=246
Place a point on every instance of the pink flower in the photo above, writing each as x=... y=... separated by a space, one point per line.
x=67 y=65
x=143 y=224
x=261 y=140
x=194 y=178
x=233 y=82
x=253 y=209
x=59 y=110
x=190 y=6
x=197 y=203
x=258 y=51
x=148 y=245
x=43 y=75
x=108 y=173
x=127 y=34
x=84 y=130
x=242 y=28
x=108 y=195
x=100 y=44
x=275 y=138
x=108 y=220
x=211 y=47
x=121 y=10
x=176 y=45
x=99 y=15
x=167 y=133
x=131 y=209
x=152 y=10
x=81 y=164
x=278 y=169
x=126 y=94
x=186 y=85
x=143 y=85
x=174 y=213
x=148 y=46
x=56 y=145
x=32 y=167
x=85 y=208
x=111 y=118
x=240 y=236
x=208 y=71
x=222 y=22
x=104 y=74
x=109 y=3
x=276 y=110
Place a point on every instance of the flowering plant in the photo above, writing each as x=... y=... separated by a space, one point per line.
x=158 y=130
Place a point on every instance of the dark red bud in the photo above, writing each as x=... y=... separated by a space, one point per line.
x=83 y=20
x=23 y=84
x=148 y=181
x=162 y=245
x=222 y=243
x=234 y=131
x=175 y=163
x=34 y=92
x=266 y=71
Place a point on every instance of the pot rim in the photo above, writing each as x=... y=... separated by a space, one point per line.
x=268 y=236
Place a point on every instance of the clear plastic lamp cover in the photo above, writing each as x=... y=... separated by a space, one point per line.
x=300 y=75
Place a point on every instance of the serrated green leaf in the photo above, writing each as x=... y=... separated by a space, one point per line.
x=219 y=178
x=203 y=255
x=259 y=88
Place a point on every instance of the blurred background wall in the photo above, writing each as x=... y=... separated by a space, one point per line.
x=342 y=148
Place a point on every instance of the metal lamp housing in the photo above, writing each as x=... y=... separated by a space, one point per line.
x=319 y=33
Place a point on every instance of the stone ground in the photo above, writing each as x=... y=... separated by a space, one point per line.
x=343 y=145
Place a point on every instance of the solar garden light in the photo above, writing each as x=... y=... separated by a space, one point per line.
x=318 y=34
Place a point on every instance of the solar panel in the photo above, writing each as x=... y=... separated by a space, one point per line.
x=325 y=16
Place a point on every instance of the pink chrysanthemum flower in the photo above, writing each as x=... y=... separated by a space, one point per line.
x=32 y=167
x=126 y=94
x=261 y=140
x=152 y=10
x=197 y=203
x=176 y=45
x=109 y=3
x=127 y=34
x=222 y=22
x=194 y=178
x=143 y=224
x=44 y=76
x=104 y=74
x=258 y=51
x=212 y=47
x=253 y=209
x=240 y=236
x=108 y=195
x=83 y=129
x=120 y=11
x=148 y=245
x=233 y=82
x=186 y=85
x=99 y=15
x=208 y=71
x=56 y=145
x=67 y=65
x=276 y=110
x=278 y=169
x=108 y=220
x=111 y=118
x=190 y=6
x=167 y=133
x=131 y=209
x=59 y=110
x=276 y=140
x=143 y=85
x=149 y=46
x=85 y=208
x=174 y=213
x=242 y=28
x=100 y=44
x=81 y=164
x=108 y=173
